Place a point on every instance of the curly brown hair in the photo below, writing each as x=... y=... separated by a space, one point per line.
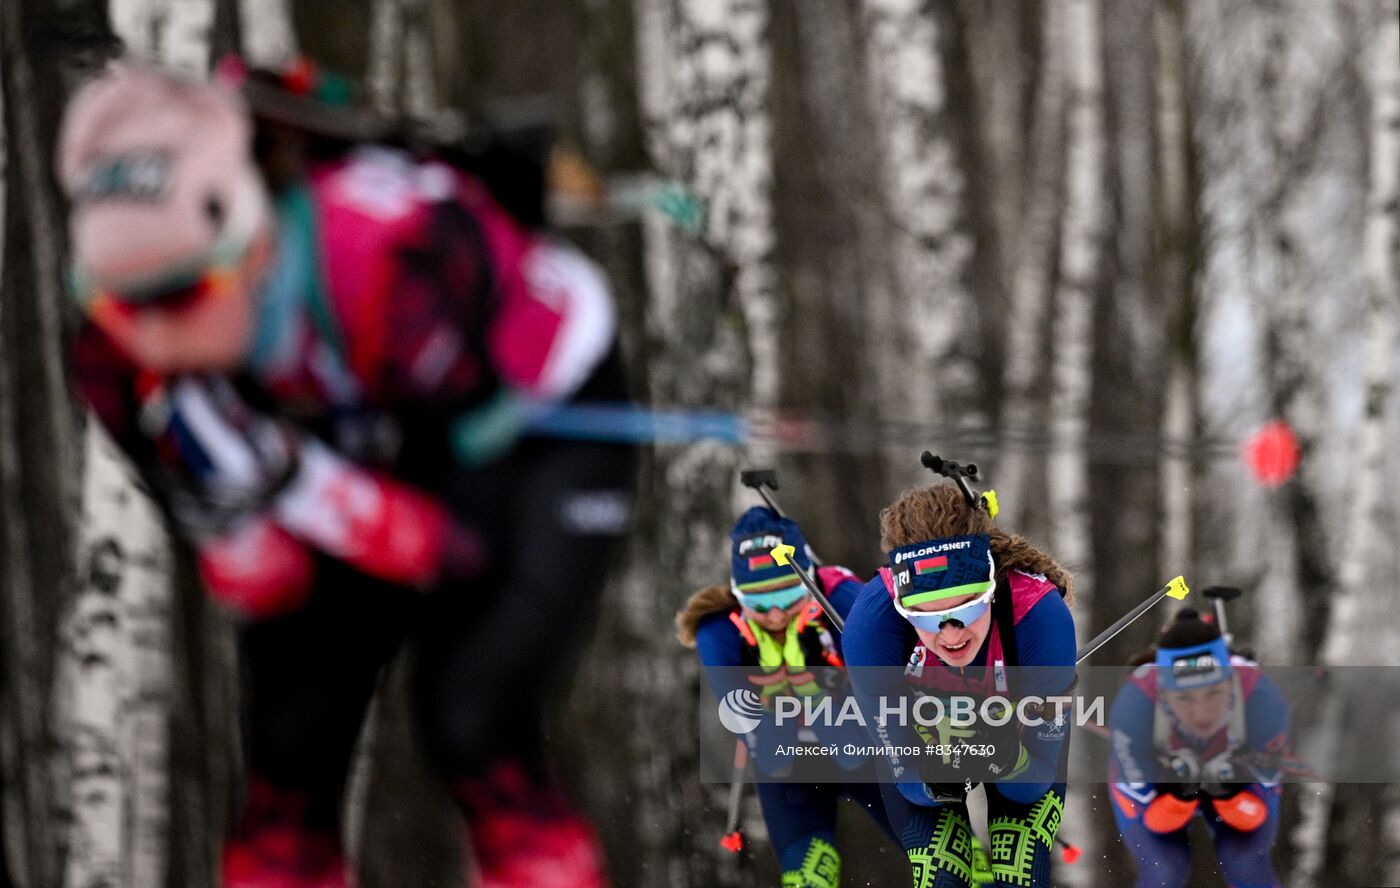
x=940 y=510
x=710 y=600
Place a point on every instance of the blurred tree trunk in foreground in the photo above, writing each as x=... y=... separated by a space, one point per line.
x=44 y=46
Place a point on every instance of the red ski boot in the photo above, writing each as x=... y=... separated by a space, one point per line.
x=274 y=849
x=527 y=836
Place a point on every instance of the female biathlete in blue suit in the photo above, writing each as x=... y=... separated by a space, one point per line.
x=965 y=609
x=1197 y=732
x=764 y=632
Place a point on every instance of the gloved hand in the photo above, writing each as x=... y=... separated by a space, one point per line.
x=222 y=462
x=932 y=794
x=980 y=752
x=1223 y=777
x=257 y=570
x=1242 y=810
x=373 y=523
x=1183 y=770
x=230 y=463
x=995 y=752
x=1168 y=812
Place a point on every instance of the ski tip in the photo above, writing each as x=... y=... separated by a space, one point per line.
x=1178 y=589
x=1070 y=853
x=733 y=843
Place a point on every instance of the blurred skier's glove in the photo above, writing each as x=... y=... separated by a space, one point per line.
x=1182 y=764
x=1242 y=810
x=374 y=523
x=222 y=462
x=1168 y=813
x=257 y=570
x=231 y=464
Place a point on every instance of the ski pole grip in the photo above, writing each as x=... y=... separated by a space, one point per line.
x=1176 y=589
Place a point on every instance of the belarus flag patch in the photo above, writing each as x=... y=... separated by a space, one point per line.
x=758 y=562
x=931 y=565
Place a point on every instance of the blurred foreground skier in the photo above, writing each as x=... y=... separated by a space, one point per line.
x=323 y=386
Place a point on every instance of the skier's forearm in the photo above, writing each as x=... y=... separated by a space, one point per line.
x=373 y=522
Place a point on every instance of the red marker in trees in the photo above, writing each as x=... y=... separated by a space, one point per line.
x=1273 y=454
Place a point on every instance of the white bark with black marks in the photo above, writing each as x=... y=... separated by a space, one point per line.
x=1174 y=218
x=713 y=333
x=385 y=37
x=172 y=32
x=1081 y=255
x=714 y=135
x=926 y=370
x=35 y=419
x=113 y=681
x=401 y=71
x=1361 y=600
x=1080 y=259
x=1281 y=196
x=1033 y=269
x=269 y=37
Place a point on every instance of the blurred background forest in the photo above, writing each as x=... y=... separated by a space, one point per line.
x=1092 y=245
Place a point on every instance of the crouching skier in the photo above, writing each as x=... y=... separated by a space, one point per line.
x=964 y=609
x=765 y=633
x=1197 y=732
x=319 y=385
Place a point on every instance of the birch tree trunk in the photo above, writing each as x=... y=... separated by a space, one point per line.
x=42 y=46
x=837 y=259
x=926 y=356
x=1033 y=272
x=114 y=681
x=269 y=39
x=1276 y=137
x=1080 y=257
x=711 y=334
x=172 y=32
x=1081 y=249
x=117 y=679
x=1292 y=251
x=1358 y=602
x=1174 y=280
x=385 y=59
x=1338 y=818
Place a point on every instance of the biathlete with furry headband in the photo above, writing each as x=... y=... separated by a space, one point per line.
x=965 y=609
x=1197 y=733
x=765 y=635
x=322 y=385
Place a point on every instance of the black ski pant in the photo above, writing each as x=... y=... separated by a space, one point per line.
x=488 y=657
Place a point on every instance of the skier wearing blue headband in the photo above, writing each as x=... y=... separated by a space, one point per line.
x=764 y=635
x=1197 y=732
x=964 y=609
